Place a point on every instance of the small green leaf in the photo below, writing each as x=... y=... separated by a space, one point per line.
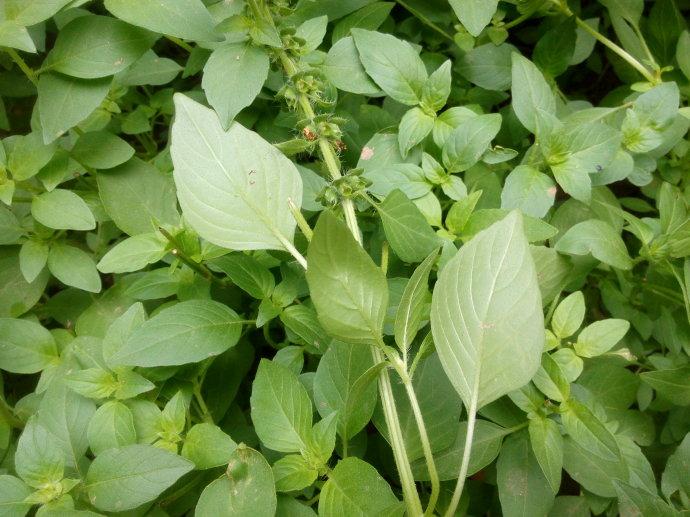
x=63 y=210
x=124 y=478
x=466 y=144
x=133 y=253
x=415 y=125
x=38 y=460
x=344 y=70
x=33 y=257
x=101 y=150
x=569 y=315
x=474 y=14
x=547 y=446
x=13 y=495
x=281 y=408
x=600 y=337
x=112 y=426
x=74 y=267
x=597 y=238
x=247 y=490
x=589 y=431
x=208 y=446
x=531 y=92
x=292 y=472
x=528 y=190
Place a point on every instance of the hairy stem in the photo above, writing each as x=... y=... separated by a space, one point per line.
x=426 y=446
x=28 y=72
x=464 y=466
x=410 y=495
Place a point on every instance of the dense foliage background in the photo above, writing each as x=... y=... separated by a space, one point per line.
x=169 y=169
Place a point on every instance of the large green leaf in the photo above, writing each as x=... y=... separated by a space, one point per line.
x=188 y=19
x=349 y=292
x=97 y=46
x=187 y=332
x=124 y=478
x=233 y=186
x=486 y=308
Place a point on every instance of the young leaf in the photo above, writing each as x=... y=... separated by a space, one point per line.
x=101 y=150
x=133 y=254
x=281 y=408
x=233 y=77
x=486 y=306
x=597 y=238
x=393 y=65
x=600 y=337
x=415 y=125
x=249 y=180
x=292 y=472
x=208 y=446
x=74 y=267
x=246 y=490
x=187 y=332
x=112 y=426
x=349 y=292
x=569 y=315
x=63 y=210
x=127 y=477
x=528 y=190
x=466 y=144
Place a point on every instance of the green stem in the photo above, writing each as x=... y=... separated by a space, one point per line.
x=519 y=19
x=300 y=220
x=410 y=495
x=464 y=466
x=426 y=21
x=180 y=43
x=199 y=268
x=615 y=48
x=681 y=283
x=648 y=52
x=205 y=413
x=28 y=72
x=426 y=446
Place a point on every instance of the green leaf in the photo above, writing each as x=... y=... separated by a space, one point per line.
x=522 y=487
x=16 y=36
x=569 y=315
x=133 y=253
x=33 y=257
x=127 y=477
x=31 y=12
x=13 y=493
x=414 y=305
x=554 y=50
x=10 y=230
x=281 y=408
x=345 y=71
x=551 y=380
x=335 y=381
x=101 y=150
x=208 y=446
x=368 y=17
x=589 y=431
x=407 y=231
x=600 y=337
x=97 y=46
x=233 y=77
x=437 y=88
x=672 y=384
x=349 y=292
x=111 y=427
x=466 y=144
x=488 y=66
x=683 y=53
x=486 y=306
x=247 y=490
x=38 y=459
x=528 y=190
x=29 y=155
x=93 y=383
x=187 y=19
x=292 y=472
x=187 y=332
x=151 y=70
x=248 y=274
x=547 y=446
x=64 y=102
x=677 y=465
x=415 y=125
x=248 y=207
x=629 y=10
x=138 y=197
x=25 y=346
x=531 y=92
x=74 y=267
x=63 y=210
x=393 y=65
x=597 y=238
x=356 y=488
x=474 y=14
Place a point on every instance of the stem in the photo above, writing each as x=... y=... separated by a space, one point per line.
x=180 y=43
x=292 y=250
x=464 y=466
x=300 y=220
x=648 y=52
x=199 y=268
x=426 y=21
x=410 y=495
x=615 y=48
x=205 y=413
x=426 y=446
x=28 y=72
x=519 y=19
